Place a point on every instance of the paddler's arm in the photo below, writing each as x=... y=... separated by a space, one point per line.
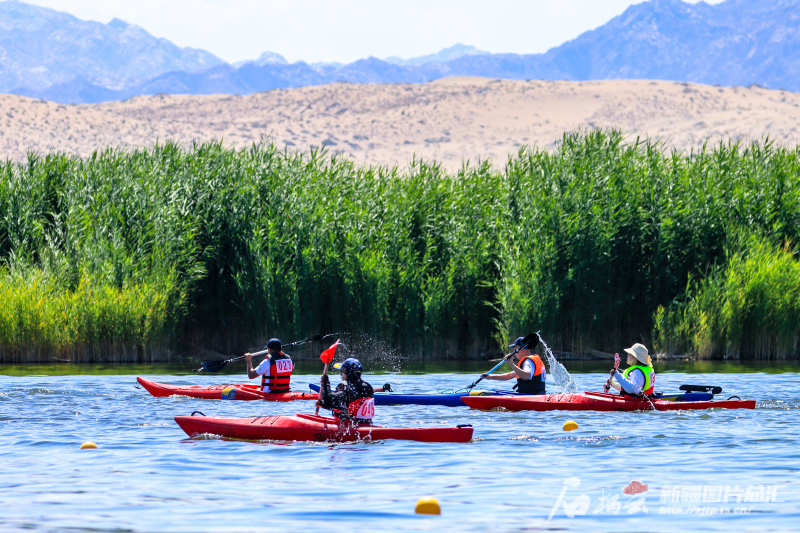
x=329 y=399
x=251 y=373
x=521 y=374
x=631 y=387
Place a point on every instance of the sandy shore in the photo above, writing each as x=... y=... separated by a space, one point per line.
x=449 y=120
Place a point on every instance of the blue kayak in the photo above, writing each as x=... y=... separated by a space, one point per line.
x=444 y=398
x=453 y=399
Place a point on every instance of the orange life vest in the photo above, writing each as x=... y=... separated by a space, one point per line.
x=535 y=385
x=280 y=374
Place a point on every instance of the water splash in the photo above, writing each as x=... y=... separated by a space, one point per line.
x=558 y=371
x=374 y=354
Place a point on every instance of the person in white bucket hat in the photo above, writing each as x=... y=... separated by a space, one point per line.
x=639 y=378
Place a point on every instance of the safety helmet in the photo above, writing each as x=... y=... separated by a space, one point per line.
x=351 y=368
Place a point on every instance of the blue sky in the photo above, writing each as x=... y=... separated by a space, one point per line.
x=346 y=30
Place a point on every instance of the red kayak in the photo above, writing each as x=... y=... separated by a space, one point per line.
x=595 y=401
x=242 y=391
x=301 y=427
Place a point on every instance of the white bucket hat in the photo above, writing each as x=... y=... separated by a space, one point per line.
x=639 y=351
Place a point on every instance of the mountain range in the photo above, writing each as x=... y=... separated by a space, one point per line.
x=54 y=56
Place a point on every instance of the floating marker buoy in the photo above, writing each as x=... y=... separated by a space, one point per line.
x=88 y=446
x=428 y=506
x=570 y=425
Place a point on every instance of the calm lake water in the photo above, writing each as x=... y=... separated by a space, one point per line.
x=704 y=471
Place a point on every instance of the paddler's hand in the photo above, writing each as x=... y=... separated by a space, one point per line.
x=324 y=379
x=484 y=376
x=248 y=357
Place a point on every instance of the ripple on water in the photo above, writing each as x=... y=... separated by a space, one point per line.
x=509 y=477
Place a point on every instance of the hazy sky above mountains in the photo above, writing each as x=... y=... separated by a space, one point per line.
x=347 y=30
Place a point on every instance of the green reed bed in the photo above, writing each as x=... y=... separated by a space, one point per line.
x=749 y=305
x=216 y=248
x=93 y=322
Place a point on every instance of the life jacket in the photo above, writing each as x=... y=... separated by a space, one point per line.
x=279 y=375
x=649 y=377
x=538 y=381
x=361 y=410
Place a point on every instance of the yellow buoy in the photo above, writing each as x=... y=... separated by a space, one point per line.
x=428 y=506
x=88 y=446
x=570 y=425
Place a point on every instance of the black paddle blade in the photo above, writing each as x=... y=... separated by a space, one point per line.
x=531 y=340
x=701 y=388
x=214 y=366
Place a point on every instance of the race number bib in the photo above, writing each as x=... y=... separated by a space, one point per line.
x=283 y=365
x=367 y=409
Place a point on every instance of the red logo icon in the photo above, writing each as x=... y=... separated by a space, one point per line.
x=635 y=487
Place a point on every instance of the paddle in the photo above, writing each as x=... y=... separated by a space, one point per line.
x=219 y=364
x=701 y=388
x=327 y=357
x=616 y=367
x=530 y=339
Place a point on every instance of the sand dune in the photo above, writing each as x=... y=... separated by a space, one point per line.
x=448 y=120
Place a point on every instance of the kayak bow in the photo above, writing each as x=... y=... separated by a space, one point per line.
x=302 y=427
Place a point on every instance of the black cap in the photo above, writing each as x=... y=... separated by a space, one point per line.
x=275 y=344
x=519 y=342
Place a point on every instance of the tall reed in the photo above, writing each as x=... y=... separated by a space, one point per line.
x=748 y=306
x=231 y=247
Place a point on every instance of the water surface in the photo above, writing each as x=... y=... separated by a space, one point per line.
x=520 y=469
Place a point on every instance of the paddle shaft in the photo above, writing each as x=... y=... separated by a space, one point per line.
x=262 y=352
x=498 y=365
x=215 y=366
x=324 y=373
x=616 y=366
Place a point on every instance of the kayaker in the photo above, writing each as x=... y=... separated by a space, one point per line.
x=639 y=378
x=353 y=399
x=275 y=370
x=527 y=368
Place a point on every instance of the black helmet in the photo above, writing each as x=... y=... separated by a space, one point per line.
x=351 y=368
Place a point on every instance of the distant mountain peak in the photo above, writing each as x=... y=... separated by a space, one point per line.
x=735 y=42
x=43 y=47
x=117 y=23
x=456 y=51
x=270 y=58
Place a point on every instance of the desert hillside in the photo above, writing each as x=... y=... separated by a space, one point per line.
x=448 y=120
